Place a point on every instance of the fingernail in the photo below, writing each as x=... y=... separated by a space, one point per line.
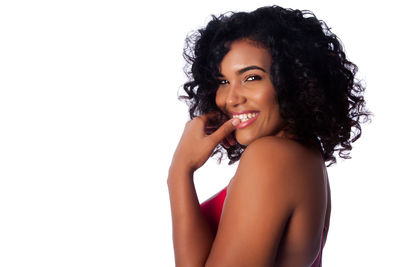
x=235 y=122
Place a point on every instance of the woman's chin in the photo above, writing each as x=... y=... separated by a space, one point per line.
x=243 y=140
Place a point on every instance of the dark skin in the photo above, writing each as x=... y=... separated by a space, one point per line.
x=278 y=200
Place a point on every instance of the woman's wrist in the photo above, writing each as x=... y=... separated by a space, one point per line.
x=178 y=172
x=182 y=165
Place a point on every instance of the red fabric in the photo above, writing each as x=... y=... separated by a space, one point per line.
x=212 y=209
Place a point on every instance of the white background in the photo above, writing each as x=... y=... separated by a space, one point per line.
x=89 y=120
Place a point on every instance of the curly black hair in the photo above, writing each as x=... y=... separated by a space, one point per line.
x=318 y=94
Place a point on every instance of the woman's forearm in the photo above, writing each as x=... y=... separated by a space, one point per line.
x=192 y=234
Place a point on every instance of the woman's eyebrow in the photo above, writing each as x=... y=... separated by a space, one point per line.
x=241 y=71
x=252 y=67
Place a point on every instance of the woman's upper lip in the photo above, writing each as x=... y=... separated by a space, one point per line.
x=243 y=112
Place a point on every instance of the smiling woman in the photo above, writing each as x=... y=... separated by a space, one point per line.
x=274 y=89
x=246 y=91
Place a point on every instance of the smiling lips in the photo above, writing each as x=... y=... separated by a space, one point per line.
x=246 y=118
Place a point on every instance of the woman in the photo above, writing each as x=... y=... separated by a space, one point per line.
x=274 y=89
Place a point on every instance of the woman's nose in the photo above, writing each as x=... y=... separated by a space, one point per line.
x=235 y=96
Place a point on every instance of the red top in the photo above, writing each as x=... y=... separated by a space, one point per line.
x=212 y=209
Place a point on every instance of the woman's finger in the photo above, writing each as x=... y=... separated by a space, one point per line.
x=211 y=121
x=206 y=117
x=210 y=130
x=224 y=130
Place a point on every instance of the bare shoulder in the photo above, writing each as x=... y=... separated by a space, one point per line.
x=262 y=196
x=281 y=156
x=282 y=164
x=278 y=147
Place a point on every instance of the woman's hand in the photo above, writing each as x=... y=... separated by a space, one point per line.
x=196 y=144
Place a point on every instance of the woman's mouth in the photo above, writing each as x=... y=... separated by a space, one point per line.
x=246 y=119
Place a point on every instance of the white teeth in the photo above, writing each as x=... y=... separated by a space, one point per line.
x=245 y=116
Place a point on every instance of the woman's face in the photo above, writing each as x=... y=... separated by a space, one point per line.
x=246 y=91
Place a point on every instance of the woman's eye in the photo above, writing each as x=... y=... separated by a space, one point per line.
x=253 y=78
x=223 y=81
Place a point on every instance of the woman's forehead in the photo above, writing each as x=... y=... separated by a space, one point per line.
x=244 y=53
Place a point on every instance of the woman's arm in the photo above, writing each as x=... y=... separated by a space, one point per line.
x=260 y=200
x=258 y=205
x=276 y=177
x=192 y=234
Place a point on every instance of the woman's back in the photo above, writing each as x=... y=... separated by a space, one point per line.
x=304 y=239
